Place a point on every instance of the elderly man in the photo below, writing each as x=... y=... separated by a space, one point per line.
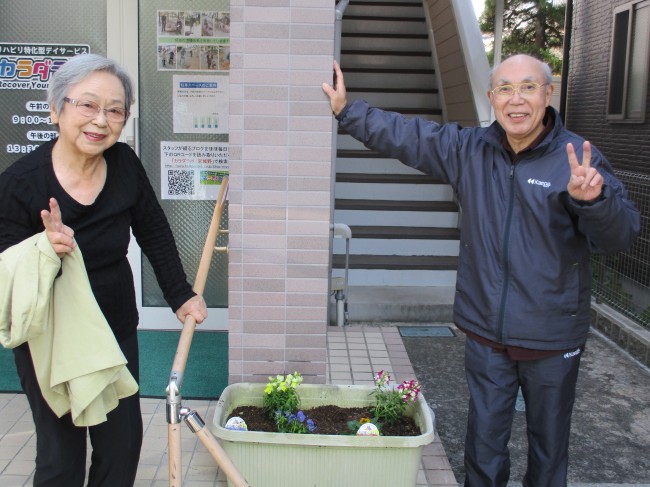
x=537 y=200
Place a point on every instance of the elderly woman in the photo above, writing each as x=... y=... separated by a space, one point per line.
x=86 y=190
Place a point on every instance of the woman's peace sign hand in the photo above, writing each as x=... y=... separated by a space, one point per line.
x=61 y=237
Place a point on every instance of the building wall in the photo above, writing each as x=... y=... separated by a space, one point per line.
x=455 y=83
x=280 y=198
x=627 y=146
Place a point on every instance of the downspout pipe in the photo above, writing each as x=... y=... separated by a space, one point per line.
x=340 y=10
x=566 y=50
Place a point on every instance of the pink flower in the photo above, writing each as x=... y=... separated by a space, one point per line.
x=382 y=378
x=409 y=390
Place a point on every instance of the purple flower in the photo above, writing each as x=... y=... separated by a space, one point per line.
x=301 y=416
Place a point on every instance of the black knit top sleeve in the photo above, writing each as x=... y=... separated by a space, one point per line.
x=102 y=229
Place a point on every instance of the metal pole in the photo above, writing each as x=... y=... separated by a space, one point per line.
x=340 y=10
x=566 y=52
x=498 y=31
x=338 y=28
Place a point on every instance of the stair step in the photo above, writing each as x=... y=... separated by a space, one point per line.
x=395 y=217
x=394 y=24
x=423 y=112
x=404 y=103
x=398 y=262
x=383 y=165
x=357 y=3
x=362 y=153
x=392 y=205
x=396 y=246
x=386 y=178
x=382 y=35
x=395 y=59
x=369 y=52
x=383 y=43
x=359 y=154
x=415 y=233
x=377 y=70
x=359 y=89
x=390 y=79
x=378 y=18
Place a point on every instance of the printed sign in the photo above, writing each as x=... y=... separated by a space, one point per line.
x=193 y=40
x=200 y=104
x=192 y=170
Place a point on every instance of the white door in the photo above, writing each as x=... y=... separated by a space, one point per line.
x=141 y=36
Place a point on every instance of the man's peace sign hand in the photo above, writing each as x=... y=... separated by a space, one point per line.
x=585 y=183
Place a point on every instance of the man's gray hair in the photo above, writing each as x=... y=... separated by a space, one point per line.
x=546 y=70
x=76 y=69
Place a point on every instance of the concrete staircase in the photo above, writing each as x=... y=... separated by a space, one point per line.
x=404 y=246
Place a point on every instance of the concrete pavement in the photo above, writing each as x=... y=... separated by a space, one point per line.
x=610 y=437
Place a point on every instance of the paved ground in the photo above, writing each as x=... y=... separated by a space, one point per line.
x=355 y=354
x=610 y=437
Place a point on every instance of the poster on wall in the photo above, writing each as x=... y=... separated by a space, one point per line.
x=25 y=73
x=192 y=170
x=200 y=104
x=193 y=40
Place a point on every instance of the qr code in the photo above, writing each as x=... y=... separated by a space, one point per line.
x=180 y=182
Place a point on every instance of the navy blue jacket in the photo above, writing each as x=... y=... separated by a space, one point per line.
x=524 y=274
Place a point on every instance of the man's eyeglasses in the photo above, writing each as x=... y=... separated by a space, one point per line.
x=90 y=109
x=524 y=89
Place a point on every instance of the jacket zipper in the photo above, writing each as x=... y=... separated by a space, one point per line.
x=505 y=251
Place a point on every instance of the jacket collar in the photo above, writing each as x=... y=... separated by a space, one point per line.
x=494 y=134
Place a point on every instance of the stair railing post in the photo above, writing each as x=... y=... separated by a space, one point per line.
x=340 y=9
x=338 y=28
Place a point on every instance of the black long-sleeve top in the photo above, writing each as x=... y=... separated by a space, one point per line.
x=127 y=201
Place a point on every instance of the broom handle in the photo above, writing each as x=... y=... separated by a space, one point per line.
x=183 y=348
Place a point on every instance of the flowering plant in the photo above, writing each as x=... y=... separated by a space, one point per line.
x=281 y=402
x=294 y=423
x=390 y=404
x=280 y=394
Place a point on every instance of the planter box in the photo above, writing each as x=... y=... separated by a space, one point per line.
x=312 y=460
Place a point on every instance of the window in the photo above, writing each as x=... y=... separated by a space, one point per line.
x=628 y=75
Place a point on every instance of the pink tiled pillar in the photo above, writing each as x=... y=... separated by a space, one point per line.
x=280 y=188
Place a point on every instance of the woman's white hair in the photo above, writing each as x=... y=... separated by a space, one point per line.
x=76 y=69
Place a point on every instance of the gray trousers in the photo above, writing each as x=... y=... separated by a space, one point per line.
x=548 y=386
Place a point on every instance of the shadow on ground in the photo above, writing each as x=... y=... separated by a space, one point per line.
x=610 y=436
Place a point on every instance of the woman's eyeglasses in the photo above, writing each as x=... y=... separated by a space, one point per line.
x=90 y=109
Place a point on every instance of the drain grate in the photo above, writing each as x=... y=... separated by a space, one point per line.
x=426 y=331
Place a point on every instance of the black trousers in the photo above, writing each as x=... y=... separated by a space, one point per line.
x=548 y=386
x=61 y=446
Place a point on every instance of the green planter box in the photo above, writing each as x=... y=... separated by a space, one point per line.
x=312 y=460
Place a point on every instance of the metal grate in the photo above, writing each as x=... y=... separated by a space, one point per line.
x=426 y=331
x=622 y=280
